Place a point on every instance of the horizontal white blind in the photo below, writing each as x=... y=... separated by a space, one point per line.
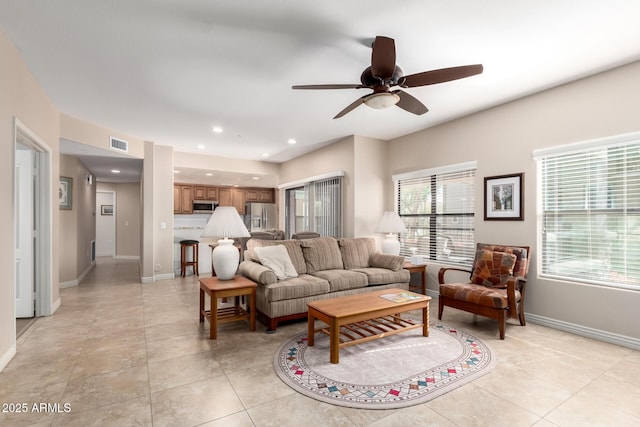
x=438 y=211
x=591 y=215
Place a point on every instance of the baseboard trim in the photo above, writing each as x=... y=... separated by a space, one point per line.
x=76 y=282
x=151 y=279
x=127 y=257
x=55 y=305
x=166 y=276
x=7 y=356
x=585 y=331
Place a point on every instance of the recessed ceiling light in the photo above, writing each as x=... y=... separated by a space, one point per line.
x=201 y=146
x=115 y=171
x=256 y=177
x=217 y=129
x=209 y=174
x=265 y=154
x=176 y=171
x=292 y=141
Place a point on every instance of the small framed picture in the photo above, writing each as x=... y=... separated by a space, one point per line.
x=504 y=197
x=65 y=190
x=106 y=209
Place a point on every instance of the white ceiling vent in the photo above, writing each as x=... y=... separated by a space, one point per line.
x=119 y=144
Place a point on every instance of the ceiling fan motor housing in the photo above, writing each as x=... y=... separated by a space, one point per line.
x=369 y=80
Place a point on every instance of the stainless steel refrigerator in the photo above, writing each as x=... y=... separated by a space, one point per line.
x=260 y=216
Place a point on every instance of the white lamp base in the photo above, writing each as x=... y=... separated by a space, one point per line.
x=391 y=245
x=225 y=258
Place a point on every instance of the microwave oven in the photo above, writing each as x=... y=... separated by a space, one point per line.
x=204 y=206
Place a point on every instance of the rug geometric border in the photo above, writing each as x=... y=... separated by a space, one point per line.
x=475 y=360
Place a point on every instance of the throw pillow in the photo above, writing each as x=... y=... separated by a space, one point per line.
x=391 y=262
x=356 y=251
x=276 y=258
x=321 y=253
x=492 y=268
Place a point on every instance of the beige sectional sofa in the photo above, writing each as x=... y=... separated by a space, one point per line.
x=325 y=267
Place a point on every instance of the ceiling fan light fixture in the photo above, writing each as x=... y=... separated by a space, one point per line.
x=380 y=101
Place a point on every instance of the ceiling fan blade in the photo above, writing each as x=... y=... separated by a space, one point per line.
x=442 y=75
x=410 y=103
x=383 y=58
x=351 y=106
x=339 y=86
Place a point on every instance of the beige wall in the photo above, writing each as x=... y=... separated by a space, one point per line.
x=206 y=162
x=90 y=134
x=163 y=211
x=501 y=140
x=334 y=157
x=128 y=217
x=78 y=225
x=371 y=183
x=21 y=96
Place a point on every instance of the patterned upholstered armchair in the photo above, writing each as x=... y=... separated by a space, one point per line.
x=496 y=287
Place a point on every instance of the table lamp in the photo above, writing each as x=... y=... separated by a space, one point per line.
x=225 y=222
x=389 y=224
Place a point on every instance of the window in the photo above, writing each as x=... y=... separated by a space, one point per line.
x=437 y=207
x=590 y=211
x=315 y=206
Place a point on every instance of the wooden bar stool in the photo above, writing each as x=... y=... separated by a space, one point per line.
x=184 y=244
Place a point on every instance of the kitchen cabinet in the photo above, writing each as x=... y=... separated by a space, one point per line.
x=185 y=194
x=201 y=192
x=183 y=199
x=262 y=195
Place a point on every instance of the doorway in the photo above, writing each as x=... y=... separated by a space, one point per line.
x=32 y=225
x=105 y=223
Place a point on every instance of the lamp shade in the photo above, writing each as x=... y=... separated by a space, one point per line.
x=225 y=222
x=389 y=224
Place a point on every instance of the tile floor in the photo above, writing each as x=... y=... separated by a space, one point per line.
x=121 y=353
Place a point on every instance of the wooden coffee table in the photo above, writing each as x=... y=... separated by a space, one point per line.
x=360 y=318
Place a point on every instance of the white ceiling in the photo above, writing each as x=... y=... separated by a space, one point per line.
x=169 y=70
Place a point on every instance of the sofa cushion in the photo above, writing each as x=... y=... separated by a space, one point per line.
x=357 y=251
x=492 y=268
x=277 y=259
x=298 y=287
x=321 y=253
x=341 y=280
x=384 y=276
x=293 y=247
x=391 y=262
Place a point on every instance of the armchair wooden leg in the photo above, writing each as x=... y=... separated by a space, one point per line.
x=502 y=321
x=440 y=309
x=523 y=322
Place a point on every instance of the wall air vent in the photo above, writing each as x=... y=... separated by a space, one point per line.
x=119 y=144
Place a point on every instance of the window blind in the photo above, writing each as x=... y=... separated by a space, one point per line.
x=437 y=207
x=590 y=219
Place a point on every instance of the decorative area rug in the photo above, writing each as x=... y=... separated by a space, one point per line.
x=392 y=372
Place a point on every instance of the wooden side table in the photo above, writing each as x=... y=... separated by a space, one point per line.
x=422 y=269
x=236 y=287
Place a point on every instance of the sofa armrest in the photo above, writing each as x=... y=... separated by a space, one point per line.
x=257 y=272
x=443 y=270
x=390 y=262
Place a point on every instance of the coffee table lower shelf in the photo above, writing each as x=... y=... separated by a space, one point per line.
x=372 y=329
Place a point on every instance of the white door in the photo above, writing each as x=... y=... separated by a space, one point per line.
x=24 y=277
x=105 y=224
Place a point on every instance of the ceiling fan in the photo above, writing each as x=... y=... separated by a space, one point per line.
x=383 y=74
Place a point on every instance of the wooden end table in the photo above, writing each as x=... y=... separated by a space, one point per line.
x=420 y=268
x=236 y=287
x=364 y=317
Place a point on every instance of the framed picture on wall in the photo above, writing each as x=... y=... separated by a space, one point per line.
x=504 y=197
x=65 y=190
x=106 y=209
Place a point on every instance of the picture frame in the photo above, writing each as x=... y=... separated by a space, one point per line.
x=504 y=197
x=106 y=209
x=65 y=192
